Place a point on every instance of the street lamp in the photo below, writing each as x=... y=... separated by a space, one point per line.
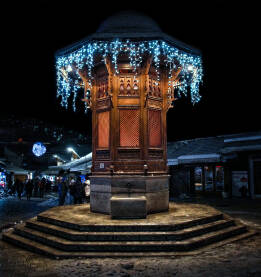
x=75 y=155
x=59 y=160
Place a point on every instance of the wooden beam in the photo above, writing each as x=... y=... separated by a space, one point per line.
x=110 y=70
x=64 y=73
x=85 y=79
x=146 y=74
x=108 y=65
x=148 y=65
x=174 y=78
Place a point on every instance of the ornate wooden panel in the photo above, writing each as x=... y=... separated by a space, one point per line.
x=123 y=101
x=103 y=129
x=103 y=103
x=154 y=88
x=157 y=166
x=129 y=127
x=129 y=167
x=128 y=86
x=154 y=103
x=102 y=154
x=154 y=128
x=124 y=154
x=102 y=85
x=153 y=85
x=155 y=154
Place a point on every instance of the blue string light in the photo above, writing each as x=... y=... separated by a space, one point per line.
x=68 y=84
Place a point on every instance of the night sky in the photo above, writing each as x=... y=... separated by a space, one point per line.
x=32 y=33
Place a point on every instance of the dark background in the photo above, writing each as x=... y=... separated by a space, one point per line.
x=33 y=31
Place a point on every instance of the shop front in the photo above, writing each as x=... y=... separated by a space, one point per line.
x=209 y=178
x=2 y=180
x=228 y=165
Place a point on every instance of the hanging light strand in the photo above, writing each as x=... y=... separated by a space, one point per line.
x=161 y=52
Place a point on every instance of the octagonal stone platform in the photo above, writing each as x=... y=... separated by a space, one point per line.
x=155 y=189
x=74 y=231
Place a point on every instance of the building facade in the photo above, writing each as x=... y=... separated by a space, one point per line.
x=229 y=165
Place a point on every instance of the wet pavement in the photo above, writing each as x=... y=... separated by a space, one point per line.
x=242 y=258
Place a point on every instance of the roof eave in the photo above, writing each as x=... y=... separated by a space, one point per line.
x=138 y=36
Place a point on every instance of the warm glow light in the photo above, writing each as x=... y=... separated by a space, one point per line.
x=70 y=149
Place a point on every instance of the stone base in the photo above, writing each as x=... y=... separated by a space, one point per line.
x=128 y=207
x=73 y=231
x=155 y=189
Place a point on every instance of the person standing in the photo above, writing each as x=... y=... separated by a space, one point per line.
x=35 y=186
x=29 y=189
x=78 y=194
x=71 y=190
x=62 y=188
x=42 y=187
x=18 y=187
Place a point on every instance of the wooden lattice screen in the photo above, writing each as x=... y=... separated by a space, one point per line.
x=103 y=129
x=129 y=128
x=154 y=126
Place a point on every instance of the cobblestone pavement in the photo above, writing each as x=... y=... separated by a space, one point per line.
x=248 y=211
x=14 y=210
x=242 y=258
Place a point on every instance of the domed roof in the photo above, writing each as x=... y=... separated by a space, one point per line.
x=129 y=25
x=128 y=22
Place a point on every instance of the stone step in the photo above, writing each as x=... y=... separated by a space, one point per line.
x=128 y=236
x=130 y=227
x=129 y=246
x=51 y=252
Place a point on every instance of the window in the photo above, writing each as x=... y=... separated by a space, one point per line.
x=154 y=123
x=198 y=178
x=129 y=128
x=103 y=129
x=209 y=186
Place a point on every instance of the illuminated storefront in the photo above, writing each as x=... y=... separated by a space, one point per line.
x=209 y=178
x=225 y=165
x=2 y=179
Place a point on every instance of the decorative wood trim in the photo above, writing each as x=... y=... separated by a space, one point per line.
x=154 y=103
x=129 y=153
x=170 y=90
x=102 y=154
x=104 y=104
x=155 y=153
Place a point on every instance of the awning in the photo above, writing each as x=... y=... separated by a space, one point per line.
x=82 y=165
x=17 y=170
x=201 y=158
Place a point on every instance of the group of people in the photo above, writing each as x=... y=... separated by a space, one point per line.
x=72 y=187
x=36 y=187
